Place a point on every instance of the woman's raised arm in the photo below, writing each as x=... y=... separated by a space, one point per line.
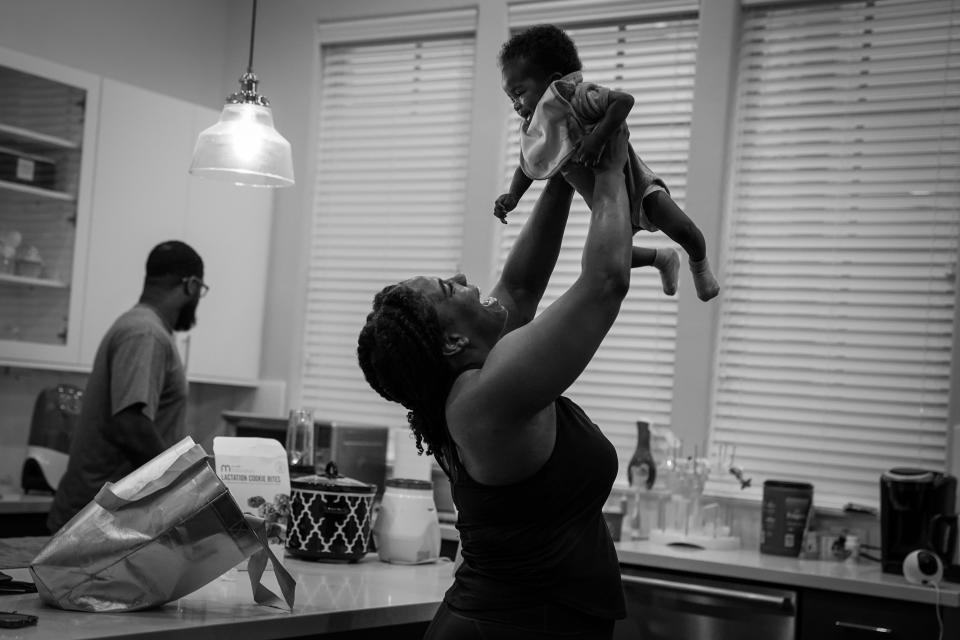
x=534 y=254
x=528 y=368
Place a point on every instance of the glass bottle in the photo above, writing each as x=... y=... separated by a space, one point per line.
x=301 y=453
x=642 y=474
x=641 y=463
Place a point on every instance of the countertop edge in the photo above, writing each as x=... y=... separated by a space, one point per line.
x=302 y=625
x=193 y=619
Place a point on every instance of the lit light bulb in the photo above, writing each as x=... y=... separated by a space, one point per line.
x=247 y=137
x=244 y=148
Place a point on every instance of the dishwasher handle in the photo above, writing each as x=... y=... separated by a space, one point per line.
x=863 y=627
x=747 y=597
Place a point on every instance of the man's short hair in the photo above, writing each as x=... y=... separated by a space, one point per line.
x=174 y=258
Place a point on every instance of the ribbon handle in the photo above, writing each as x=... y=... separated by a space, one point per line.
x=257 y=564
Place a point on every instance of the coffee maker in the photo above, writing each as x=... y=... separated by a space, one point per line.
x=917 y=511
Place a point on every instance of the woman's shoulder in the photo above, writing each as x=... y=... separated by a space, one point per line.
x=496 y=450
x=476 y=409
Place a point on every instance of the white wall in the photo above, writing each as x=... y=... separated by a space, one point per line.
x=174 y=47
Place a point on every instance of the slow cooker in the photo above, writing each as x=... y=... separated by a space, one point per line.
x=329 y=516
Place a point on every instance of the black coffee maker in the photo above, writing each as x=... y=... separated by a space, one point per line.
x=917 y=511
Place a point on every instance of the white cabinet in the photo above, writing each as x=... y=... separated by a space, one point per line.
x=48 y=118
x=140 y=200
x=143 y=196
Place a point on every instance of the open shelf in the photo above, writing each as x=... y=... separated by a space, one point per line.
x=37 y=191
x=10 y=278
x=34 y=138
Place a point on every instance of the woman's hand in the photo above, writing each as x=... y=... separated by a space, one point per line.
x=589 y=151
x=614 y=155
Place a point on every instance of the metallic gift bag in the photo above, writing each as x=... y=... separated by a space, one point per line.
x=158 y=534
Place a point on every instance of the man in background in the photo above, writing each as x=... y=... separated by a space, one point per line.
x=135 y=402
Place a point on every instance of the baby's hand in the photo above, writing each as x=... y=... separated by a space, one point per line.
x=589 y=151
x=504 y=205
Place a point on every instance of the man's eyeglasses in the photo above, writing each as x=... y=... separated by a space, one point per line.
x=204 y=288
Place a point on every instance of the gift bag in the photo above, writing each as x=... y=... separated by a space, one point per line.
x=158 y=534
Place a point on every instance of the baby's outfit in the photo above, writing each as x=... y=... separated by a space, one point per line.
x=569 y=110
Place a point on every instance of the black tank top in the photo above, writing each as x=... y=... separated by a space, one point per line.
x=542 y=540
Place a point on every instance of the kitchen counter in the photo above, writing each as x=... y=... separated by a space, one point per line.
x=860 y=578
x=330 y=598
x=349 y=597
x=23 y=514
x=12 y=502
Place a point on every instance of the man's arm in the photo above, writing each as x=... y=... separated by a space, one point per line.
x=134 y=434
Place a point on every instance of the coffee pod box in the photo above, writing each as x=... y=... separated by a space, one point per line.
x=256 y=473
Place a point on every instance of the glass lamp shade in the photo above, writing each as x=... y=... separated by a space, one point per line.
x=244 y=148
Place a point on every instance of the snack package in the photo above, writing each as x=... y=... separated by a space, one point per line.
x=256 y=473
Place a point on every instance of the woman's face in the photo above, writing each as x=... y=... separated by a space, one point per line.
x=524 y=84
x=461 y=309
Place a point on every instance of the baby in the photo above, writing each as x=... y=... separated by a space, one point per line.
x=566 y=123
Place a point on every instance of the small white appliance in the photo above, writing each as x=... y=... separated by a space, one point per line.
x=407 y=530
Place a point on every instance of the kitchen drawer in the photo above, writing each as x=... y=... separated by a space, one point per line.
x=826 y=615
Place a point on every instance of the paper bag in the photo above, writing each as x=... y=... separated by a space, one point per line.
x=158 y=534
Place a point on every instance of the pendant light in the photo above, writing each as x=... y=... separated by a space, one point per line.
x=243 y=147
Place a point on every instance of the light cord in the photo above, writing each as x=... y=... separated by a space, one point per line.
x=253 y=27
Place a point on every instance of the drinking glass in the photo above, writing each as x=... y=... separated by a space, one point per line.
x=300 y=443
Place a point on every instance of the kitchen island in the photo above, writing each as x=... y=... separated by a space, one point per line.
x=344 y=600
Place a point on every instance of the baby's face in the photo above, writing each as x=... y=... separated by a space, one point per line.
x=524 y=84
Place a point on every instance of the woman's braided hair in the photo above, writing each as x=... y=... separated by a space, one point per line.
x=400 y=353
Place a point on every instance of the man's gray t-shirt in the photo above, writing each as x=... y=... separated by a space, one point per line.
x=137 y=363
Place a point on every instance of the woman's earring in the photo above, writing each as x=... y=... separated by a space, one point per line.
x=452 y=346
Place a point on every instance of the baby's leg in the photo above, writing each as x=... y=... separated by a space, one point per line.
x=664 y=212
x=665 y=260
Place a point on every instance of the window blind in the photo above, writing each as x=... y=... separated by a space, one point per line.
x=839 y=278
x=389 y=198
x=653 y=59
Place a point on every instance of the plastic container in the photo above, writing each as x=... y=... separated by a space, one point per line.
x=786 y=508
x=407 y=530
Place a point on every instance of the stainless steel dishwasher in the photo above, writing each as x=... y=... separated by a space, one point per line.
x=674 y=605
